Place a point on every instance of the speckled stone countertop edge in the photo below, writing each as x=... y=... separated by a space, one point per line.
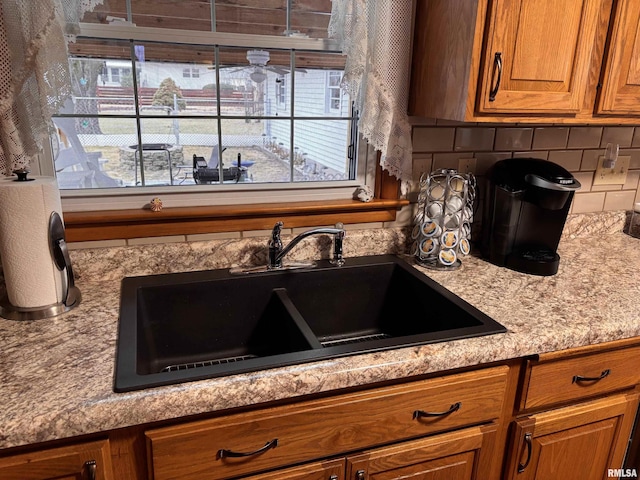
x=57 y=375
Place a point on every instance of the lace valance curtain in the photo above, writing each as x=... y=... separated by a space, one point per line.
x=34 y=72
x=376 y=38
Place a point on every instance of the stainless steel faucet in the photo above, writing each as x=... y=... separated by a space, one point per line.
x=277 y=252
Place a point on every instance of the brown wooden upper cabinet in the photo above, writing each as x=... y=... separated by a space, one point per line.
x=621 y=77
x=526 y=60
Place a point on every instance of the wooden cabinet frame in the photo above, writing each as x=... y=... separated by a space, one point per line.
x=453 y=65
x=538 y=439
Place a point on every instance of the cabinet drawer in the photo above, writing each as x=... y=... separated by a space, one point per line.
x=77 y=461
x=565 y=380
x=324 y=427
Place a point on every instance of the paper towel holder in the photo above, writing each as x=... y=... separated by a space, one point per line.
x=72 y=296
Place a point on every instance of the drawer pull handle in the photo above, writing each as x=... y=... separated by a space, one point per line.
x=90 y=467
x=223 y=453
x=527 y=442
x=421 y=413
x=580 y=378
x=497 y=61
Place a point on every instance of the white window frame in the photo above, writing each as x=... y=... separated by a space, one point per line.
x=281 y=91
x=225 y=194
x=190 y=72
x=330 y=90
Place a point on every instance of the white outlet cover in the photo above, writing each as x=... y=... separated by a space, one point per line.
x=612 y=176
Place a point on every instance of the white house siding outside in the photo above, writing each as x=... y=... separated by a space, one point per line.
x=323 y=142
x=151 y=74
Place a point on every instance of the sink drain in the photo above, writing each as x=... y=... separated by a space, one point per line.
x=206 y=363
x=351 y=340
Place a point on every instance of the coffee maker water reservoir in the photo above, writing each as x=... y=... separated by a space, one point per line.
x=525 y=209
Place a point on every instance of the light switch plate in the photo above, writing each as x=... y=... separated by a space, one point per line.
x=612 y=176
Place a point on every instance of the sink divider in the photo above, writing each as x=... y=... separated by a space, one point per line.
x=296 y=316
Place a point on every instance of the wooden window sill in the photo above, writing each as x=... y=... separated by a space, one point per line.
x=139 y=223
x=120 y=224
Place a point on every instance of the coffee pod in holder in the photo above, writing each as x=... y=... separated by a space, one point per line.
x=447 y=256
x=414 y=248
x=464 y=246
x=442 y=229
x=468 y=214
x=430 y=229
x=452 y=221
x=436 y=191
x=465 y=229
x=428 y=246
x=457 y=183
x=449 y=239
x=434 y=210
x=454 y=204
x=415 y=233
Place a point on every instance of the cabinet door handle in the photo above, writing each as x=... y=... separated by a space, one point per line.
x=224 y=453
x=527 y=442
x=90 y=467
x=360 y=475
x=497 y=62
x=421 y=413
x=333 y=477
x=580 y=378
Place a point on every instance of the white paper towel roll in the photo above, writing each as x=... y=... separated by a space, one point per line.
x=31 y=276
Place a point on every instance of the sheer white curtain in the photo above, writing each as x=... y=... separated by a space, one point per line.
x=376 y=39
x=34 y=72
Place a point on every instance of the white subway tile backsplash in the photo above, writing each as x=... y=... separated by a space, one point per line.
x=588 y=202
x=585 y=179
x=96 y=244
x=575 y=147
x=203 y=237
x=619 y=200
x=151 y=240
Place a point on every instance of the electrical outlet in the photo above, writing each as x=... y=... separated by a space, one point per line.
x=612 y=176
x=467 y=165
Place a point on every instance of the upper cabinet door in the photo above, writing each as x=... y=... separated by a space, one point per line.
x=538 y=55
x=621 y=80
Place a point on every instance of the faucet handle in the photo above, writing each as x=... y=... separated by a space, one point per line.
x=338 y=237
x=275 y=233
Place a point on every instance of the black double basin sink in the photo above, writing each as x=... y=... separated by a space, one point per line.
x=181 y=327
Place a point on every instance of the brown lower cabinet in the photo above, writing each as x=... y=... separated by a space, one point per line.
x=579 y=442
x=240 y=445
x=82 y=461
x=564 y=415
x=328 y=470
x=449 y=456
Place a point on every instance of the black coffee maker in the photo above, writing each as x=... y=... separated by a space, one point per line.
x=525 y=208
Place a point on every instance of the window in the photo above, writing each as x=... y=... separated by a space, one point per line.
x=281 y=90
x=191 y=73
x=205 y=108
x=334 y=92
x=299 y=161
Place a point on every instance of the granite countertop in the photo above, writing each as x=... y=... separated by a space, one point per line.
x=56 y=375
